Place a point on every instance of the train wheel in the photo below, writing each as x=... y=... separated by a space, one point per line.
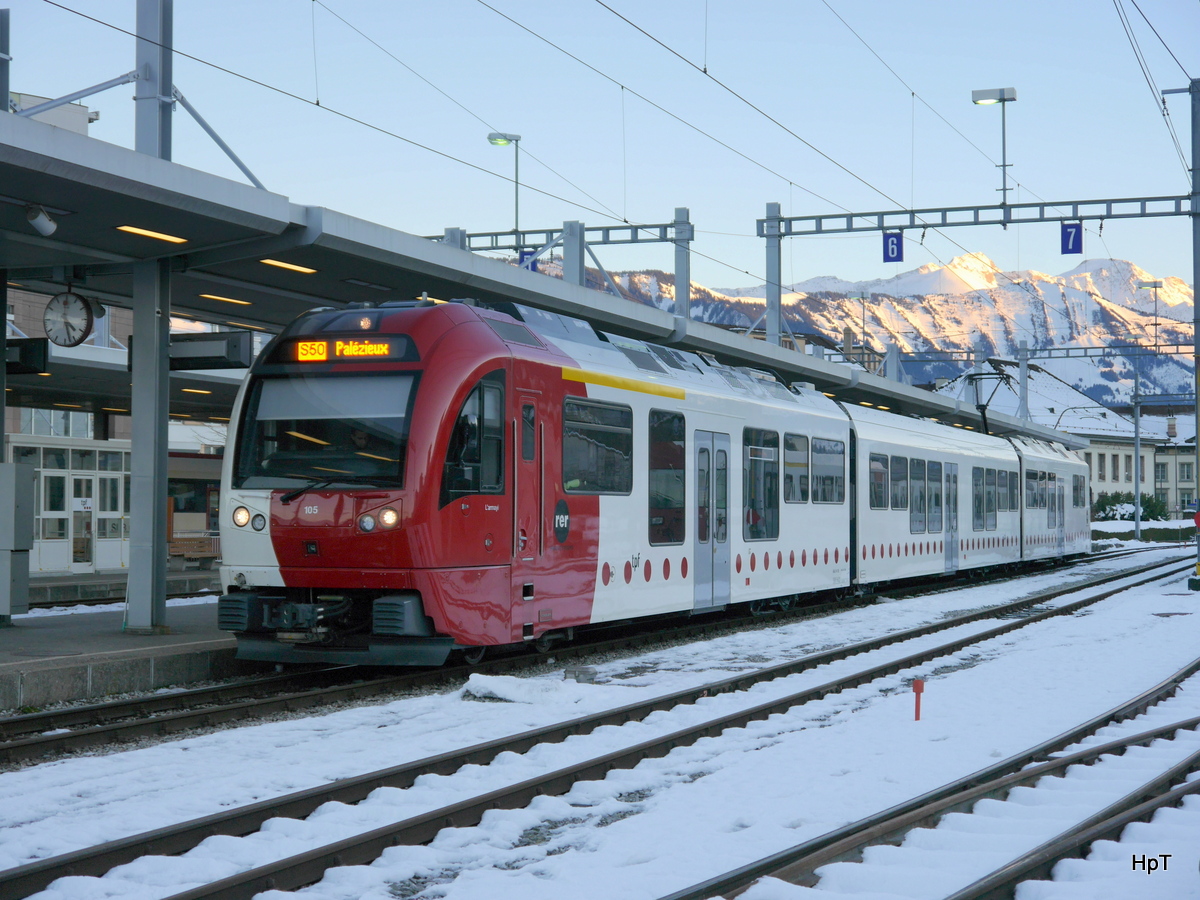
x=473 y=656
x=760 y=607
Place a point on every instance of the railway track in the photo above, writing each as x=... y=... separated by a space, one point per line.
x=308 y=867
x=37 y=735
x=1137 y=798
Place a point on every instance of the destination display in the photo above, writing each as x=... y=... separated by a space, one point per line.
x=347 y=349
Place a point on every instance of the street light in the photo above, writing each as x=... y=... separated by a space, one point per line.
x=1153 y=285
x=500 y=139
x=1001 y=96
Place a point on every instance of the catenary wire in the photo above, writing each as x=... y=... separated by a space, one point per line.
x=460 y=105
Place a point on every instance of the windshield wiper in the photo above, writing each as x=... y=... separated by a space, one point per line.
x=312 y=485
x=317 y=483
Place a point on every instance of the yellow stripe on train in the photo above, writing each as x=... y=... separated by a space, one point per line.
x=623 y=383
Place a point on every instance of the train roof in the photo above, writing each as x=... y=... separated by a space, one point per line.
x=656 y=363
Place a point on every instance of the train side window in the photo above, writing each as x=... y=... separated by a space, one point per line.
x=475 y=455
x=795 y=468
x=1052 y=500
x=1002 y=490
x=703 y=500
x=952 y=500
x=1031 y=482
x=528 y=421
x=829 y=471
x=977 y=515
x=899 y=482
x=989 y=499
x=877 y=474
x=721 y=497
x=1041 y=492
x=668 y=452
x=935 y=497
x=760 y=484
x=1014 y=491
x=597 y=447
x=916 y=511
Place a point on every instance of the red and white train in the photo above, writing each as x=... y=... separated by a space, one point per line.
x=406 y=480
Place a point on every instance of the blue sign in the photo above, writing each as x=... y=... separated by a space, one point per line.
x=893 y=246
x=1072 y=237
x=528 y=260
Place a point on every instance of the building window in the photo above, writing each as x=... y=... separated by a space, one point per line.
x=1185 y=471
x=1129 y=467
x=668 y=451
x=1100 y=458
x=1116 y=467
x=1185 y=498
x=1087 y=458
x=1160 y=472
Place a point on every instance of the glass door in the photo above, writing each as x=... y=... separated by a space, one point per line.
x=83 y=523
x=108 y=522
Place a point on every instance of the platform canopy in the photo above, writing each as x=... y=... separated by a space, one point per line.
x=232 y=239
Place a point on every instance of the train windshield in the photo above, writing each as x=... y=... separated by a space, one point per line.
x=341 y=429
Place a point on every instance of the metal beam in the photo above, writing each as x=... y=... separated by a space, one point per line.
x=996 y=214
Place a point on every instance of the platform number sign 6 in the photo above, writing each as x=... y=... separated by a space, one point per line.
x=893 y=246
x=1072 y=237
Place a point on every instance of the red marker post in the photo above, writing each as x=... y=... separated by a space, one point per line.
x=918 y=689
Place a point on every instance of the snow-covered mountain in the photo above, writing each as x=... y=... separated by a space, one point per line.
x=968 y=304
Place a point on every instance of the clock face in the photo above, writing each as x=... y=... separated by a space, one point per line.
x=68 y=319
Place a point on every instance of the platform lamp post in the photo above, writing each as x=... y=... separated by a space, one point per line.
x=500 y=139
x=1002 y=96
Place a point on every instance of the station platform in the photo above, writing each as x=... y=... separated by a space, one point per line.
x=51 y=658
x=59 y=587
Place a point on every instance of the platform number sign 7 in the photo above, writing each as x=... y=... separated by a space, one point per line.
x=893 y=246
x=1072 y=237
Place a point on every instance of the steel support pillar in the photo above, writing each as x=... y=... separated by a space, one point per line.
x=153 y=89
x=683 y=262
x=146 y=604
x=1194 y=94
x=771 y=231
x=1137 y=455
x=574 y=254
x=1023 y=380
x=5 y=58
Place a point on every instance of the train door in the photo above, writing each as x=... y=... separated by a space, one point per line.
x=950 y=504
x=710 y=577
x=528 y=538
x=1061 y=531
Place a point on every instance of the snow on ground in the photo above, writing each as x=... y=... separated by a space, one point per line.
x=1126 y=525
x=83 y=609
x=639 y=833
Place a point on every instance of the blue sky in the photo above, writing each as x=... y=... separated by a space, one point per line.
x=1085 y=125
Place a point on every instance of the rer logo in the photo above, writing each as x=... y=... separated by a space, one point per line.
x=312 y=351
x=562 y=521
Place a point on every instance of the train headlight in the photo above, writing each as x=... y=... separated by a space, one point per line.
x=241 y=517
x=366 y=522
x=388 y=517
x=259 y=522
